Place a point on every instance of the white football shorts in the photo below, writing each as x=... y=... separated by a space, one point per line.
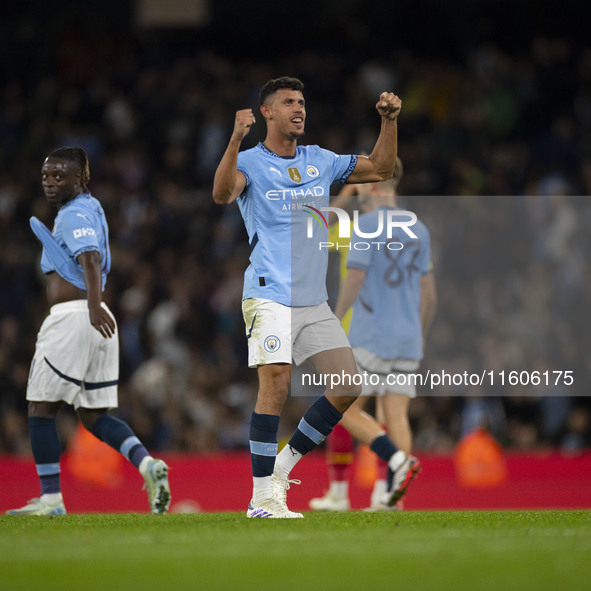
x=73 y=362
x=388 y=376
x=280 y=334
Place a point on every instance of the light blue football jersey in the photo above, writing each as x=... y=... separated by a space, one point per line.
x=286 y=264
x=79 y=226
x=386 y=318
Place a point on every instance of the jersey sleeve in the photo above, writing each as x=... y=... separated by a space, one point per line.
x=79 y=232
x=343 y=167
x=242 y=166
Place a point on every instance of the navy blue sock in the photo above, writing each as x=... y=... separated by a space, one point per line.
x=263 y=443
x=383 y=447
x=46 y=447
x=120 y=437
x=316 y=424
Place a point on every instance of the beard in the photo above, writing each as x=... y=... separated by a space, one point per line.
x=296 y=135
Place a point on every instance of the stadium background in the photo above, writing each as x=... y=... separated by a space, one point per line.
x=495 y=137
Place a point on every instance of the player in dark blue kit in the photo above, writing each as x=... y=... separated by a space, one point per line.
x=276 y=184
x=77 y=353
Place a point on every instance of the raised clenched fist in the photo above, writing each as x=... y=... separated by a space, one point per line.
x=389 y=105
x=243 y=122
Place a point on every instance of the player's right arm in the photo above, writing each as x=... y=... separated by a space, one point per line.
x=229 y=182
x=428 y=303
x=349 y=291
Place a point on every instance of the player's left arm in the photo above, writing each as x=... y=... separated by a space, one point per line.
x=349 y=291
x=379 y=165
x=428 y=303
x=100 y=319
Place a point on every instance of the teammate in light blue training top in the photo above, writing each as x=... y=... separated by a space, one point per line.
x=279 y=186
x=77 y=353
x=81 y=227
x=390 y=297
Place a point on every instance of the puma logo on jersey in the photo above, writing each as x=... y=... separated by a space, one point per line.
x=273 y=169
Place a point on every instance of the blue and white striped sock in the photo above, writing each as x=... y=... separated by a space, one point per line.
x=316 y=424
x=119 y=436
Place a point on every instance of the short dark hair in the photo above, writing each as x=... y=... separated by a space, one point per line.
x=272 y=86
x=78 y=156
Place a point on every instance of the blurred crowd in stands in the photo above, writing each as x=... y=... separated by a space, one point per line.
x=497 y=153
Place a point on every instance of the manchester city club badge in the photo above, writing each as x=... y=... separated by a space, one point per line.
x=272 y=344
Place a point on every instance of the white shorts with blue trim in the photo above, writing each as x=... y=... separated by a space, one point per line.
x=280 y=334
x=390 y=376
x=73 y=362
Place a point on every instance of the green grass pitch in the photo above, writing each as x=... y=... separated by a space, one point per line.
x=472 y=550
